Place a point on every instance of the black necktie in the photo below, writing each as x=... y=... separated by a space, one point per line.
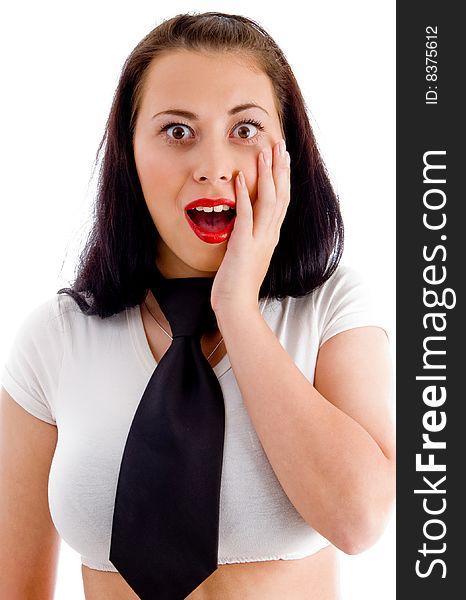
x=166 y=517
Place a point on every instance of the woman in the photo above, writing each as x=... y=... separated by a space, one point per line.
x=309 y=458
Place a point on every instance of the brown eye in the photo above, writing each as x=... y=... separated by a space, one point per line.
x=246 y=130
x=177 y=132
x=243 y=131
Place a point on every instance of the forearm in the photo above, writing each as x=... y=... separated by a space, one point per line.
x=332 y=470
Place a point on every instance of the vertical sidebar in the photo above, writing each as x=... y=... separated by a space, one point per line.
x=431 y=237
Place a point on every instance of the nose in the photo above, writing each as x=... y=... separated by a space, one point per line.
x=213 y=178
x=213 y=165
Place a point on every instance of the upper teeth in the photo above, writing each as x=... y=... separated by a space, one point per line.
x=218 y=208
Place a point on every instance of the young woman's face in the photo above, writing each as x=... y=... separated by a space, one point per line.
x=182 y=158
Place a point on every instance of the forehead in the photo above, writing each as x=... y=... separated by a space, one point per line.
x=205 y=79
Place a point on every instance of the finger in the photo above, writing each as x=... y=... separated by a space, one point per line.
x=265 y=205
x=281 y=173
x=244 y=214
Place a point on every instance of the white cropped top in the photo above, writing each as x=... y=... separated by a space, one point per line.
x=86 y=375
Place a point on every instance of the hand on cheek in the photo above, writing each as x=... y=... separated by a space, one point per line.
x=255 y=234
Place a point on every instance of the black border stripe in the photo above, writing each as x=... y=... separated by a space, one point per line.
x=422 y=128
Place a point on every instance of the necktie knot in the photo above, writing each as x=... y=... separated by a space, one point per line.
x=185 y=302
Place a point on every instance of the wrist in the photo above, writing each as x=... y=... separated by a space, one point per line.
x=236 y=312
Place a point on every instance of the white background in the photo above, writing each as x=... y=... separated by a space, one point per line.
x=60 y=63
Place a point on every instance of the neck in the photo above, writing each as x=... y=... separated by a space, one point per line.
x=180 y=270
x=212 y=344
x=155 y=312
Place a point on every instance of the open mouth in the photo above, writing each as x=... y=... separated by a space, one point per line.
x=211 y=221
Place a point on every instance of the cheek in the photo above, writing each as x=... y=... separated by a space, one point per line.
x=154 y=170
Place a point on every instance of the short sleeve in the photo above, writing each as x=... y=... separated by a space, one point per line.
x=346 y=300
x=32 y=368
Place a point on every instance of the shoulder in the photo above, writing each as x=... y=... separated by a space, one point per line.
x=39 y=339
x=60 y=313
x=31 y=371
x=344 y=284
x=46 y=319
x=40 y=319
x=344 y=301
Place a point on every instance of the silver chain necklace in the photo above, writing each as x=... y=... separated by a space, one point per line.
x=166 y=332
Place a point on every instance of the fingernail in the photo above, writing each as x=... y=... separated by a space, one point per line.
x=241 y=179
x=282 y=147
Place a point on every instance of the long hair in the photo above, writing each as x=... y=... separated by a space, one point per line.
x=115 y=266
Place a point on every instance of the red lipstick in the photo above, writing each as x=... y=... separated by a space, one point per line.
x=205 y=229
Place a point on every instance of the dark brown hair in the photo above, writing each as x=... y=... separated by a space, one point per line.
x=116 y=263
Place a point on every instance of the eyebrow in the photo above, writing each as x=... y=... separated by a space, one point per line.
x=190 y=115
